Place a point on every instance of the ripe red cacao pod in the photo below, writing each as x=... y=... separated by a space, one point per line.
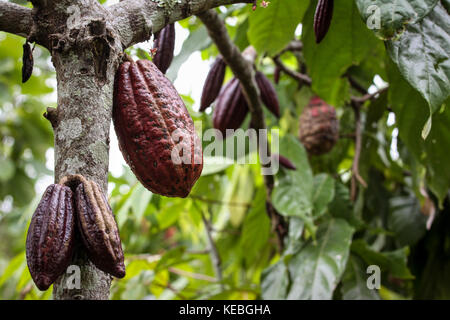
x=164 y=44
x=50 y=237
x=213 y=83
x=231 y=107
x=268 y=93
x=319 y=127
x=155 y=131
x=27 y=62
x=98 y=229
x=322 y=18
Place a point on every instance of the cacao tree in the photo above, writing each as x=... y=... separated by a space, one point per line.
x=356 y=92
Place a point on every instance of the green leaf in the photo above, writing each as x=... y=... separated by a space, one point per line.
x=348 y=41
x=394 y=262
x=272 y=28
x=422 y=55
x=8 y=169
x=354 y=282
x=255 y=229
x=197 y=40
x=341 y=206
x=388 y=18
x=406 y=220
x=317 y=268
x=411 y=112
x=275 y=281
x=323 y=193
x=216 y=164
x=293 y=192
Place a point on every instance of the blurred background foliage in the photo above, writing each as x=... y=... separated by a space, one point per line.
x=331 y=240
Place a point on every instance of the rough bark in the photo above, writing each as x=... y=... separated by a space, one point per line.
x=15 y=19
x=86 y=41
x=85 y=55
x=137 y=19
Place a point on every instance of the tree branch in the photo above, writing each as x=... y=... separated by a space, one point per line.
x=214 y=254
x=136 y=20
x=243 y=70
x=15 y=19
x=300 y=77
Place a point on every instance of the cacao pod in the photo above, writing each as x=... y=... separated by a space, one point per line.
x=319 y=127
x=164 y=44
x=268 y=93
x=98 y=229
x=50 y=237
x=277 y=75
x=213 y=83
x=231 y=107
x=154 y=130
x=322 y=18
x=284 y=162
x=27 y=62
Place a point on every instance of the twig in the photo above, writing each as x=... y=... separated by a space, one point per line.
x=369 y=96
x=358 y=145
x=220 y=202
x=294 y=45
x=192 y=275
x=25 y=291
x=302 y=78
x=243 y=70
x=355 y=84
x=214 y=254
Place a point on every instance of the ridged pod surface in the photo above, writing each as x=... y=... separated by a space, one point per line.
x=213 y=83
x=268 y=93
x=322 y=18
x=231 y=107
x=164 y=44
x=155 y=131
x=98 y=229
x=319 y=127
x=50 y=237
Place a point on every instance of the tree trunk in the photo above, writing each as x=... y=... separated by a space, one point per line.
x=86 y=41
x=81 y=131
x=85 y=54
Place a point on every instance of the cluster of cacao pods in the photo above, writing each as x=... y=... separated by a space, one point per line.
x=319 y=127
x=231 y=107
x=62 y=213
x=155 y=131
x=163 y=45
x=322 y=18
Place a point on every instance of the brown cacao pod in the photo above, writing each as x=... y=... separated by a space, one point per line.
x=50 y=237
x=268 y=93
x=284 y=162
x=154 y=130
x=277 y=74
x=27 y=62
x=164 y=44
x=98 y=229
x=322 y=18
x=213 y=83
x=231 y=107
x=319 y=127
